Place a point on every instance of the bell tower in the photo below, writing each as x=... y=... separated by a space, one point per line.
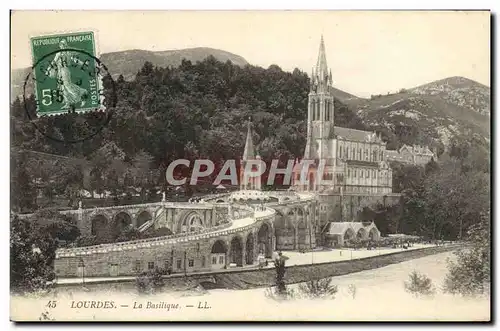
x=320 y=115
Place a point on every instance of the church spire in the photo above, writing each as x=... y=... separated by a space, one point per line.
x=249 y=153
x=321 y=66
x=310 y=152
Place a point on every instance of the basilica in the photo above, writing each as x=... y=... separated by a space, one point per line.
x=345 y=160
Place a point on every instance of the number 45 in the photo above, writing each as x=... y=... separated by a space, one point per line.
x=46 y=94
x=51 y=304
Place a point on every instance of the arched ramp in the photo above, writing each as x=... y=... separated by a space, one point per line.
x=218 y=255
x=349 y=235
x=236 y=251
x=374 y=234
x=122 y=221
x=302 y=234
x=99 y=227
x=284 y=230
x=191 y=223
x=264 y=240
x=143 y=217
x=362 y=234
x=250 y=243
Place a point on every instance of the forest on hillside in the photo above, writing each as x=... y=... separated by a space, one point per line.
x=192 y=111
x=198 y=109
x=201 y=111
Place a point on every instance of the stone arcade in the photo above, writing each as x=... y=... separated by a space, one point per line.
x=232 y=229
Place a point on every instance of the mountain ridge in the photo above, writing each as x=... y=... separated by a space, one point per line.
x=129 y=62
x=434 y=112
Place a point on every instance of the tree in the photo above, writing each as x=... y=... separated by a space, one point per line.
x=150 y=282
x=32 y=253
x=470 y=273
x=319 y=288
x=142 y=165
x=23 y=192
x=56 y=225
x=128 y=235
x=419 y=285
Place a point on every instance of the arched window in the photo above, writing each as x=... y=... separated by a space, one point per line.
x=340 y=151
x=353 y=155
x=359 y=154
x=354 y=173
x=348 y=173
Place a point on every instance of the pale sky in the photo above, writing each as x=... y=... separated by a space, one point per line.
x=369 y=52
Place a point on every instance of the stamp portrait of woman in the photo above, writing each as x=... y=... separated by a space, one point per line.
x=59 y=68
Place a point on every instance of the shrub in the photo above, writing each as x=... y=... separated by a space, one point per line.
x=352 y=290
x=149 y=282
x=419 y=285
x=470 y=274
x=86 y=241
x=280 y=295
x=319 y=288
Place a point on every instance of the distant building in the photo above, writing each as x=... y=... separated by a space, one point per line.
x=417 y=155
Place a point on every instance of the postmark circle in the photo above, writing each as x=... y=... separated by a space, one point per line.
x=98 y=117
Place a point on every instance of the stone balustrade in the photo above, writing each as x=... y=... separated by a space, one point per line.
x=218 y=230
x=166 y=204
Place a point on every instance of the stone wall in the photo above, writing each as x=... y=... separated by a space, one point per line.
x=346 y=208
x=245 y=279
x=182 y=253
x=131 y=262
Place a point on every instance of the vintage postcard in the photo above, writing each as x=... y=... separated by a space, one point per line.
x=250 y=166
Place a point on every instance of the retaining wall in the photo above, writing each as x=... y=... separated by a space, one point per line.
x=245 y=279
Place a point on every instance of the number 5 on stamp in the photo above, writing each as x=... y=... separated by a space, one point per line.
x=66 y=74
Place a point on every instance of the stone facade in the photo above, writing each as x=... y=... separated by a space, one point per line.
x=177 y=217
x=343 y=159
x=185 y=252
x=417 y=155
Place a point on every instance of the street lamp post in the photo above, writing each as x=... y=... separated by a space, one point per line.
x=185 y=265
x=81 y=264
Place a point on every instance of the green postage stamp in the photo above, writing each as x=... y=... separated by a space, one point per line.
x=66 y=73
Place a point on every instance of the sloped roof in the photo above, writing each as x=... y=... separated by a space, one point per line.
x=393 y=155
x=417 y=149
x=352 y=134
x=358 y=225
x=339 y=227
